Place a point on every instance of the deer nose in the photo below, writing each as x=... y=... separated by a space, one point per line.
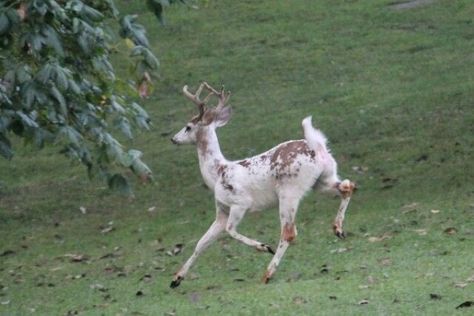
x=174 y=141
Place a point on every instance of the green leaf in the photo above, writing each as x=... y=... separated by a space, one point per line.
x=33 y=93
x=150 y=59
x=27 y=120
x=73 y=86
x=91 y=14
x=157 y=8
x=141 y=169
x=70 y=134
x=23 y=74
x=127 y=159
x=116 y=106
x=5 y=147
x=139 y=110
x=123 y=125
x=40 y=7
x=112 y=7
x=60 y=98
x=120 y=184
x=5 y=24
x=132 y=30
x=52 y=40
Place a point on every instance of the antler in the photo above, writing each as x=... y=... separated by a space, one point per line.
x=223 y=96
x=195 y=97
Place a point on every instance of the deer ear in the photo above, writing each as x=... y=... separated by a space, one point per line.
x=223 y=116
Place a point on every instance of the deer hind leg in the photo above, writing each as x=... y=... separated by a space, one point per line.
x=235 y=216
x=344 y=189
x=288 y=208
x=211 y=235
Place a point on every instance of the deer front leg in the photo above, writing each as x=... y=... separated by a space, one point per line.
x=212 y=233
x=345 y=189
x=288 y=235
x=235 y=216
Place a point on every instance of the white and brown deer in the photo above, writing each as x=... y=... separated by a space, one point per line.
x=281 y=175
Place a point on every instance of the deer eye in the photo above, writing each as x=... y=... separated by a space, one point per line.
x=188 y=128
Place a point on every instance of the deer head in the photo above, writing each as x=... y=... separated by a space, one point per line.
x=208 y=117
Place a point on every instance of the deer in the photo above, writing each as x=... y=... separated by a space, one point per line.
x=280 y=176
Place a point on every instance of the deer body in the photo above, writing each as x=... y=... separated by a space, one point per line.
x=280 y=176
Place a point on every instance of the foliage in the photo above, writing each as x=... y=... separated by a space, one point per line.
x=158 y=6
x=58 y=84
x=393 y=92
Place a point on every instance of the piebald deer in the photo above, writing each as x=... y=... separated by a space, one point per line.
x=281 y=175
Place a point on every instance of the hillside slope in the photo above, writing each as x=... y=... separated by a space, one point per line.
x=392 y=88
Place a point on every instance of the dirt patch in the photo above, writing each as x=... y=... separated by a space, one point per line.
x=405 y=5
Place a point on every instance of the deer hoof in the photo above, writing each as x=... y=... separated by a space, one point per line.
x=175 y=283
x=265 y=248
x=340 y=234
x=266 y=277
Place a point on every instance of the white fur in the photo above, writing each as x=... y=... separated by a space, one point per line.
x=281 y=175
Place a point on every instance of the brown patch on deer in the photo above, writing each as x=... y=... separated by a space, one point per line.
x=266 y=277
x=244 y=163
x=227 y=186
x=208 y=117
x=221 y=170
x=195 y=119
x=201 y=140
x=285 y=155
x=289 y=232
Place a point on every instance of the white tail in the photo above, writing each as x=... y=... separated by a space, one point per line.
x=315 y=138
x=280 y=176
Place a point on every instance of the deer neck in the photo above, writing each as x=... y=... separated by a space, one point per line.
x=210 y=155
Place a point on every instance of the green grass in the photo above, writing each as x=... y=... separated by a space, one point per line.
x=392 y=90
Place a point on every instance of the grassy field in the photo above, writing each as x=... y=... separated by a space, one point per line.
x=392 y=88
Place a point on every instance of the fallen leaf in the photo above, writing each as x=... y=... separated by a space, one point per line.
x=7 y=252
x=146 y=278
x=363 y=302
x=324 y=268
x=465 y=304
x=99 y=287
x=76 y=257
x=470 y=279
x=409 y=207
x=339 y=250
x=194 y=297
x=56 y=269
x=450 y=230
x=171 y=313
x=5 y=302
x=107 y=229
x=385 y=262
x=298 y=300
x=152 y=209
x=176 y=250
x=371 y=279
x=380 y=238
x=83 y=210
x=360 y=169
x=435 y=296
x=435 y=211
x=460 y=285
x=421 y=231
x=110 y=255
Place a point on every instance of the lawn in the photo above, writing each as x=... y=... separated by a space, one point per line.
x=392 y=87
